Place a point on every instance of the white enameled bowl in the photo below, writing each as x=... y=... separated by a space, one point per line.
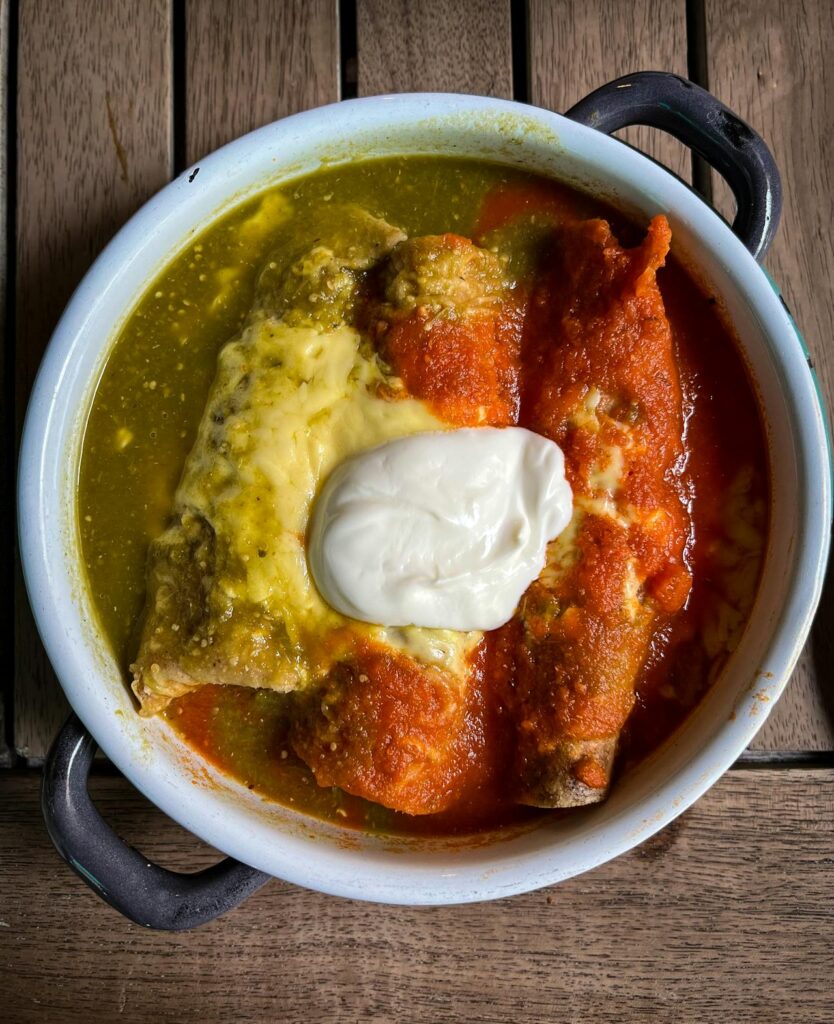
x=273 y=838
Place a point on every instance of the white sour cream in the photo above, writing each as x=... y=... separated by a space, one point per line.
x=442 y=530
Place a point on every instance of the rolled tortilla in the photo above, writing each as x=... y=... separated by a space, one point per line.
x=602 y=381
x=383 y=726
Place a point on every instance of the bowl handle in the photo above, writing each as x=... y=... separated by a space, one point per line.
x=698 y=120
x=146 y=893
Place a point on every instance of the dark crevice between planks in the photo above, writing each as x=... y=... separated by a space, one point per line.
x=179 y=72
x=759 y=759
x=348 y=51
x=520 y=43
x=696 y=69
x=786 y=759
x=7 y=522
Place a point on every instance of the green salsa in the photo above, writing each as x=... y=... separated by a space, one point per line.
x=153 y=391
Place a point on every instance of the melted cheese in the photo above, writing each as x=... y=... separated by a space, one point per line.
x=608 y=476
x=298 y=402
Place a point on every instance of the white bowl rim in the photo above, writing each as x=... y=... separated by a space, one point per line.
x=341 y=873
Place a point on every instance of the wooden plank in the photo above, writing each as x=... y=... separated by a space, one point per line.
x=434 y=46
x=771 y=63
x=249 y=63
x=575 y=46
x=6 y=369
x=725 y=916
x=94 y=141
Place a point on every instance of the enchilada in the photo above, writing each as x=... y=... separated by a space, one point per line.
x=360 y=310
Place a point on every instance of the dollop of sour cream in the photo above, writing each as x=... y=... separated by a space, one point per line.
x=444 y=530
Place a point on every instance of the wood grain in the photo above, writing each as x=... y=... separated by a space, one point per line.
x=249 y=62
x=6 y=368
x=727 y=915
x=434 y=46
x=94 y=141
x=575 y=46
x=773 y=63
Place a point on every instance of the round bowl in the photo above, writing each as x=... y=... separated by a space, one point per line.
x=309 y=852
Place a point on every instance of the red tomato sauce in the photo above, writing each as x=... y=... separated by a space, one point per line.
x=723 y=438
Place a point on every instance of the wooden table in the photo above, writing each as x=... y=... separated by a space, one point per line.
x=728 y=914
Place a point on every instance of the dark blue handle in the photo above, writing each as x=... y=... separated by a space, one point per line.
x=146 y=893
x=700 y=121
